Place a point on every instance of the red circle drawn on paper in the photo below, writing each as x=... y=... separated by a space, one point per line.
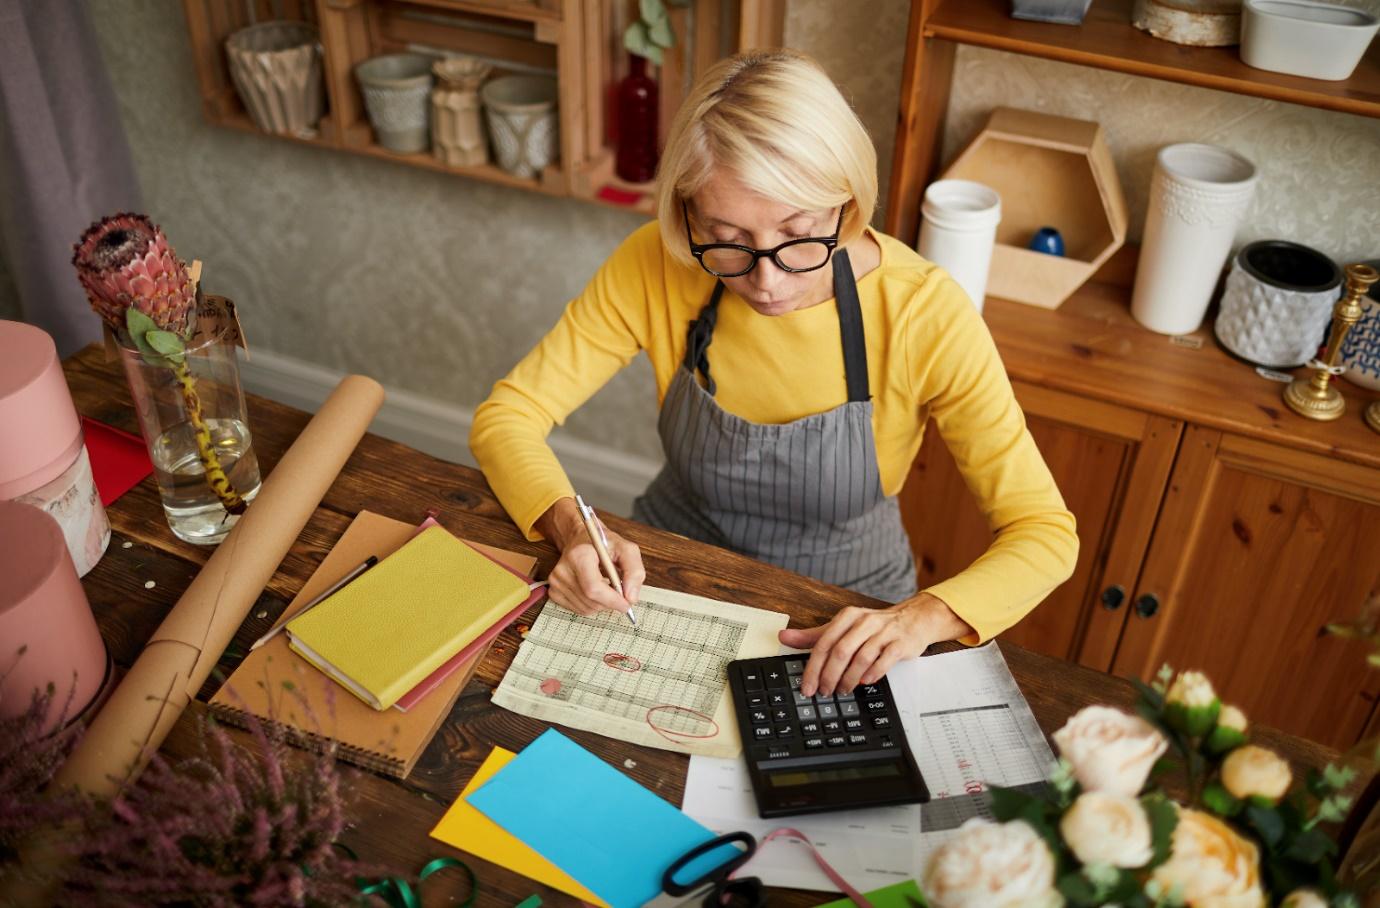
x=551 y=686
x=667 y=733
x=622 y=663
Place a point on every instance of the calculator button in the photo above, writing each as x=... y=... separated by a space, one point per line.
x=802 y=700
x=795 y=681
x=875 y=706
x=762 y=732
x=849 y=695
x=853 y=724
x=755 y=700
x=872 y=690
x=814 y=743
x=785 y=731
x=795 y=666
x=881 y=721
x=834 y=726
x=848 y=709
x=885 y=741
x=778 y=751
x=776 y=699
x=780 y=715
x=809 y=728
x=752 y=679
x=805 y=712
x=828 y=711
x=775 y=677
x=836 y=741
x=857 y=739
x=759 y=716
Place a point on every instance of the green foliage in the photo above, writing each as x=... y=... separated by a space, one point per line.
x=652 y=32
x=140 y=326
x=167 y=343
x=1220 y=801
x=1163 y=819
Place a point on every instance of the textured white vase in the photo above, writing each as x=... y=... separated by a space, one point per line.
x=958 y=231
x=1198 y=196
x=521 y=113
x=1278 y=303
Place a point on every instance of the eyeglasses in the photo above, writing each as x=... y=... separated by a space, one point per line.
x=732 y=260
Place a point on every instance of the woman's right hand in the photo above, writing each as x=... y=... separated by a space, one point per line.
x=577 y=582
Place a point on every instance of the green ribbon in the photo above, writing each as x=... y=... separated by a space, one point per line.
x=397 y=892
x=532 y=901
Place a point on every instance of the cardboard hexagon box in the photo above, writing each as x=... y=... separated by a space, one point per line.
x=1049 y=171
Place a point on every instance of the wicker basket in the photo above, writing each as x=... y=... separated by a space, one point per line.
x=276 y=67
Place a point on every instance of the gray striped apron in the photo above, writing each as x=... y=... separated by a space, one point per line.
x=804 y=495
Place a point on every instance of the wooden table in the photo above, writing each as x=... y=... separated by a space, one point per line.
x=390 y=818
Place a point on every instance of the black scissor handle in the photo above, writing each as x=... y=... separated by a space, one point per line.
x=719 y=872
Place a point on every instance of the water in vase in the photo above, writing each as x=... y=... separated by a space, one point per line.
x=194 y=511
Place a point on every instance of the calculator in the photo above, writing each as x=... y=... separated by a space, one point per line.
x=811 y=754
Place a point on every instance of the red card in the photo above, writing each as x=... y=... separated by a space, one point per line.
x=119 y=460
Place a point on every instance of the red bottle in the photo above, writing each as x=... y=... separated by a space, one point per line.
x=636 y=155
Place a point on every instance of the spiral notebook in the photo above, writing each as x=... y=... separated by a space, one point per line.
x=282 y=689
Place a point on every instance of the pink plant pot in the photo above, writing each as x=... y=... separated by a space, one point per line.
x=48 y=634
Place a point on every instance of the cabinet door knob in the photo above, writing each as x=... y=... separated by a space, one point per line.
x=1148 y=605
x=1113 y=596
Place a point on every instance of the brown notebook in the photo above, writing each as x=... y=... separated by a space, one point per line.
x=311 y=708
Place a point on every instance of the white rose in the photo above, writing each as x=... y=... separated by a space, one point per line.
x=1192 y=689
x=1232 y=718
x=1303 y=898
x=1252 y=771
x=1212 y=865
x=1104 y=828
x=1110 y=750
x=992 y=866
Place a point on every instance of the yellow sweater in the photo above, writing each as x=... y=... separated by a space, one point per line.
x=929 y=356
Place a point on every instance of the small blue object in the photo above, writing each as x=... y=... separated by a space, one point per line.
x=1048 y=241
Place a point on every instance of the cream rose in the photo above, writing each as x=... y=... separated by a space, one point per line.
x=1233 y=719
x=1192 y=689
x=1303 y=898
x=1212 y=866
x=1229 y=732
x=992 y=866
x=1191 y=706
x=1110 y=750
x=1104 y=828
x=1252 y=771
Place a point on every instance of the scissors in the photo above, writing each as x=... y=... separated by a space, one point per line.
x=713 y=888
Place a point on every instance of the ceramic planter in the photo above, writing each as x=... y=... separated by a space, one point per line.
x=397 y=95
x=1278 y=303
x=457 y=129
x=1302 y=38
x=959 y=231
x=521 y=113
x=276 y=68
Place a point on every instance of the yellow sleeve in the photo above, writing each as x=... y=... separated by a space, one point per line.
x=599 y=333
x=960 y=376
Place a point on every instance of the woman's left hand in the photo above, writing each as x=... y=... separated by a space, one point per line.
x=861 y=645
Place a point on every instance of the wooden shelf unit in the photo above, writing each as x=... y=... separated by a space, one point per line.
x=577 y=41
x=1218 y=530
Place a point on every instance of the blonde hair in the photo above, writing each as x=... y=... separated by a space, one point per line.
x=777 y=122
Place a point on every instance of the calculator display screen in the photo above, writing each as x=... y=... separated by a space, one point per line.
x=839 y=774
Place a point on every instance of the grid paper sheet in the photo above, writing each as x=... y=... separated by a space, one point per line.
x=662 y=684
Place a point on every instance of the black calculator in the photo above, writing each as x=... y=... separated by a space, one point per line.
x=811 y=754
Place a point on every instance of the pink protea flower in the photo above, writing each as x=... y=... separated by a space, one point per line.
x=124 y=260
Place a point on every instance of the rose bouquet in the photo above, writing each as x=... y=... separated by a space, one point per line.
x=1102 y=833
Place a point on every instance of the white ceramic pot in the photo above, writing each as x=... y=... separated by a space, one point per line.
x=521 y=113
x=1304 y=38
x=397 y=95
x=1198 y=196
x=1361 y=348
x=1278 y=303
x=276 y=68
x=958 y=231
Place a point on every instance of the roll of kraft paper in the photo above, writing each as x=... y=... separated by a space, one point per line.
x=181 y=653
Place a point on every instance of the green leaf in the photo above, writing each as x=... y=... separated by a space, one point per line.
x=1220 y=801
x=1149 y=695
x=1078 y=890
x=1163 y=818
x=1338 y=777
x=166 y=343
x=1267 y=823
x=1311 y=847
x=651 y=10
x=661 y=34
x=637 y=41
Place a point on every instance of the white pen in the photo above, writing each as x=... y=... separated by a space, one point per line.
x=601 y=546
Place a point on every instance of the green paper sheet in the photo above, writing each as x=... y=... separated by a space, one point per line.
x=897 y=895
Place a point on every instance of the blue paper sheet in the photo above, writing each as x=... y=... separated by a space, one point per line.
x=590 y=820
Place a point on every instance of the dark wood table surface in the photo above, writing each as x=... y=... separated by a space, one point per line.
x=391 y=818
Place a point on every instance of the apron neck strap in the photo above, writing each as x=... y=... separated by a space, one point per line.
x=850 y=330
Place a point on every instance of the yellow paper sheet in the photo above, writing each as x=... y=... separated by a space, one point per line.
x=469 y=830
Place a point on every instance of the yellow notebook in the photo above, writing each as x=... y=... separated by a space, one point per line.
x=399 y=621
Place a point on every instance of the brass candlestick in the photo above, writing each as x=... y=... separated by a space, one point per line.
x=1373 y=415
x=1314 y=397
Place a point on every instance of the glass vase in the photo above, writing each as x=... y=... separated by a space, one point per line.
x=192 y=414
x=636 y=155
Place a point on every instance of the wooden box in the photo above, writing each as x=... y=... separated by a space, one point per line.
x=1049 y=171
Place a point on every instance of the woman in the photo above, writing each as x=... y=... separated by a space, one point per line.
x=832 y=345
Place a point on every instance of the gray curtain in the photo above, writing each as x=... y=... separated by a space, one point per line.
x=64 y=161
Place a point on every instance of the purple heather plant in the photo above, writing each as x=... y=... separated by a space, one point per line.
x=230 y=826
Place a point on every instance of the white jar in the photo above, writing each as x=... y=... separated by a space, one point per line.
x=1198 y=196
x=959 y=230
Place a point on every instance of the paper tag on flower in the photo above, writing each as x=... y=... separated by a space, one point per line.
x=215 y=314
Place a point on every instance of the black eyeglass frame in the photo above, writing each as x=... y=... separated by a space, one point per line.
x=699 y=249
